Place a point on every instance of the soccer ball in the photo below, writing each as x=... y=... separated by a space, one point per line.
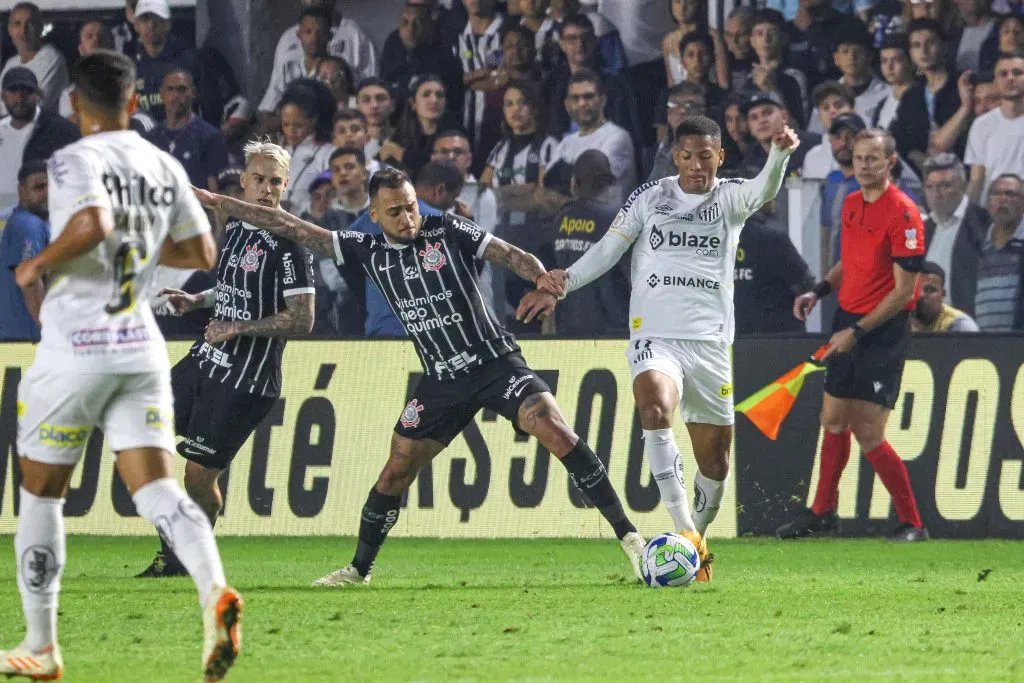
x=669 y=560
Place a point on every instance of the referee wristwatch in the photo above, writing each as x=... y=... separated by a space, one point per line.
x=858 y=331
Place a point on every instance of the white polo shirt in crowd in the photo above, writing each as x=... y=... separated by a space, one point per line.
x=997 y=143
x=51 y=71
x=12 y=148
x=940 y=249
x=642 y=26
x=616 y=145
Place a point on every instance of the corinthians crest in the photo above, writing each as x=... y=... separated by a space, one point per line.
x=433 y=259
x=411 y=414
x=251 y=258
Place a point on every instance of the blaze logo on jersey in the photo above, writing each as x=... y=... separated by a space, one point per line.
x=411 y=414
x=433 y=259
x=251 y=258
x=657 y=238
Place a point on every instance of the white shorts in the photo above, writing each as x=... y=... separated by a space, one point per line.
x=702 y=371
x=57 y=411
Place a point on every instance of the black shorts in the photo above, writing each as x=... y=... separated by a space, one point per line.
x=214 y=418
x=873 y=369
x=441 y=410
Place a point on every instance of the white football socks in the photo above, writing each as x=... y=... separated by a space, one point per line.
x=707 y=498
x=41 y=551
x=663 y=456
x=186 y=529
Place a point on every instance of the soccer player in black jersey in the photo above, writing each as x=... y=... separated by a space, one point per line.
x=231 y=378
x=423 y=265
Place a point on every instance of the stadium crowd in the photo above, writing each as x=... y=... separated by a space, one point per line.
x=537 y=118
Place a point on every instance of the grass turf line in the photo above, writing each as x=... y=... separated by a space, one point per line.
x=442 y=610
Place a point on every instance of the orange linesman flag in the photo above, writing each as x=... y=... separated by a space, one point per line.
x=769 y=407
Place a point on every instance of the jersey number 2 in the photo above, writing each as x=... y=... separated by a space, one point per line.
x=130 y=256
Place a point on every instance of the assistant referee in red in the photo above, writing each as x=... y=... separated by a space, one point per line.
x=882 y=251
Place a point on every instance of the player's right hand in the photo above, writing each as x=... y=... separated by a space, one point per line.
x=535 y=304
x=206 y=198
x=787 y=139
x=553 y=282
x=179 y=301
x=804 y=304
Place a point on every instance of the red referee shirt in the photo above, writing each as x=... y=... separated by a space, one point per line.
x=872 y=236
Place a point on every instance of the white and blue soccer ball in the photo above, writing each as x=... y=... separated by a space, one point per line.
x=669 y=560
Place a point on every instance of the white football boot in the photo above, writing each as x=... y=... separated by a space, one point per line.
x=346 y=576
x=222 y=632
x=39 y=665
x=633 y=545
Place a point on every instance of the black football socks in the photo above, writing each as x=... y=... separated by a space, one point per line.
x=380 y=513
x=591 y=478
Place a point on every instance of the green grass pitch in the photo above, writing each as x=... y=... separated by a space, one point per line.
x=441 y=610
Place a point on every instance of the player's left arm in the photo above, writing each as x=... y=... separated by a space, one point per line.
x=753 y=194
x=277 y=221
x=522 y=263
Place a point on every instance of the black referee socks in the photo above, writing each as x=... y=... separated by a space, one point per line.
x=591 y=478
x=380 y=513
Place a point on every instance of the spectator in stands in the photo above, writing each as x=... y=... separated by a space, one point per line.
x=25 y=28
x=200 y=147
x=1011 y=34
x=307 y=140
x=92 y=36
x=450 y=18
x=312 y=34
x=579 y=46
x=518 y=58
x=691 y=16
x=478 y=201
x=585 y=103
x=26 y=234
x=769 y=274
x=932 y=313
x=813 y=40
x=335 y=73
x=977 y=45
x=898 y=72
x=937 y=102
x=27 y=133
x=350 y=130
x=480 y=51
x=531 y=17
x=986 y=95
x=954 y=229
x=769 y=72
x=374 y=101
x=321 y=194
x=942 y=11
x=609 y=43
x=854 y=57
x=737 y=141
x=603 y=309
x=698 y=51
x=831 y=98
x=349 y=178
x=739 y=54
x=417 y=47
x=999 y=301
x=995 y=144
x=424 y=117
x=158 y=52
x=684 y=99
x=767 y=116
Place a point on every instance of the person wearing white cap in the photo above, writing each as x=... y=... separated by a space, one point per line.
x=25 y=28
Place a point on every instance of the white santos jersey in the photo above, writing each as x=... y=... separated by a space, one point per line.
x=95 y=317
x=684 y=253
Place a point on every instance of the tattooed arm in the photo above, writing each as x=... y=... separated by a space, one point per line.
x=277 y=221
x=523 y=264
x=296 y=319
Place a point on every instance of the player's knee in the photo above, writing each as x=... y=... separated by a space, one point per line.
x=869 y=436
x=833 y=422
x=654 y=415
x=715 y=466
x=394 y=481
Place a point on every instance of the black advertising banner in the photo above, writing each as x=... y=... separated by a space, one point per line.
x=958 y=424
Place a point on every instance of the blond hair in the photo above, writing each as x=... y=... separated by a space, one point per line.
x=265 y=148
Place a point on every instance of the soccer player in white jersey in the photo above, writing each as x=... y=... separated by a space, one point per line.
x=118 y=207
x=684 y=231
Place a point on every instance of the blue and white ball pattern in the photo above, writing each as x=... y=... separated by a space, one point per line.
x=669 y=560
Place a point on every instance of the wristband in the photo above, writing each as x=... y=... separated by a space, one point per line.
x=858 y=331
x=822 y=289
